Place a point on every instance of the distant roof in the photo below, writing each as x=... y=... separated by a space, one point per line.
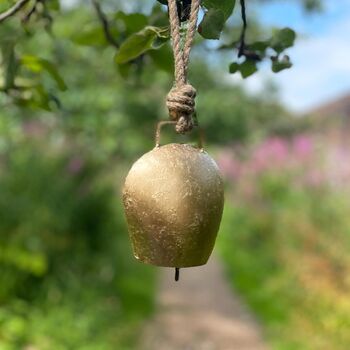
x=337 y=108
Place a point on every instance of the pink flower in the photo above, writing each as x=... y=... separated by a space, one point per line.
x=270 y=154
x=229 y=165
x=302 y=146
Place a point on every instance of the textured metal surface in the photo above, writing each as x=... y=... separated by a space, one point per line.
x=173 y=198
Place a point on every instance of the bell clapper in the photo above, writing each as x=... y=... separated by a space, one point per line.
x=177 y=274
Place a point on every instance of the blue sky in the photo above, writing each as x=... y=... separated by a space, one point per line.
x=321 y=55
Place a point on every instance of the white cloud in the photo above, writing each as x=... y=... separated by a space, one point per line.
x=321 y=70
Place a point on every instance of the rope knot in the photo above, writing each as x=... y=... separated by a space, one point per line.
x=181 y=106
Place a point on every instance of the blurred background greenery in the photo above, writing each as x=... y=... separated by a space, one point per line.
x=72 y=123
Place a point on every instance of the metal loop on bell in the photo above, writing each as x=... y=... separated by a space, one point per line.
x=160 y=125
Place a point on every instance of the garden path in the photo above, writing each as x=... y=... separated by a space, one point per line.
x=200 y=313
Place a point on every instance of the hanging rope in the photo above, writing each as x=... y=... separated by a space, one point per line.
x=181 y=98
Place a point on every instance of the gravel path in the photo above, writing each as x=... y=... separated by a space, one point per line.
x=200 y=313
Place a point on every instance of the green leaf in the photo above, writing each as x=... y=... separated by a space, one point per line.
x=53 y=5
x=234 y=67
x=138 y=43
x=158 y=17
x=313 y=5
x=212 y=24
x=163 y=59
x=35 y=263
x=215 y=17
x=279 y=65
x=248 y=68
x=283 y=39
x=91 y=35
x=38 y=65
x=260 y=46
x=226 y=6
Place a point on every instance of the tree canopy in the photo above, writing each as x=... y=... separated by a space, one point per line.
x=136 y=34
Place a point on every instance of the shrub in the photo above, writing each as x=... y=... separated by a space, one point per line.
x=67 y=279
x=285 y=239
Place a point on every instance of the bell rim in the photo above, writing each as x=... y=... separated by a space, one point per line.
x=180 y=266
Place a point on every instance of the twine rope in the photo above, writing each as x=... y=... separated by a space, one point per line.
x=181 y=98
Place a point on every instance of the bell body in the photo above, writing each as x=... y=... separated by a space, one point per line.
x=173 y=198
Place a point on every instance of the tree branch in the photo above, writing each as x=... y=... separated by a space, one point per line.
x=30 y=13
x=244 y=29
x=242 y=49
x=13 y=10
x=105 y=24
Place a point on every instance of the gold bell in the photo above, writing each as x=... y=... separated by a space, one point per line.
x=173 y=198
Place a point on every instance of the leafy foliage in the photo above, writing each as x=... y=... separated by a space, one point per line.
x=215 y=17
x=39 y=65
x=285 y=238
x=64 y=253
x=140 y=42
x=272 y=49
x=131 y=35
